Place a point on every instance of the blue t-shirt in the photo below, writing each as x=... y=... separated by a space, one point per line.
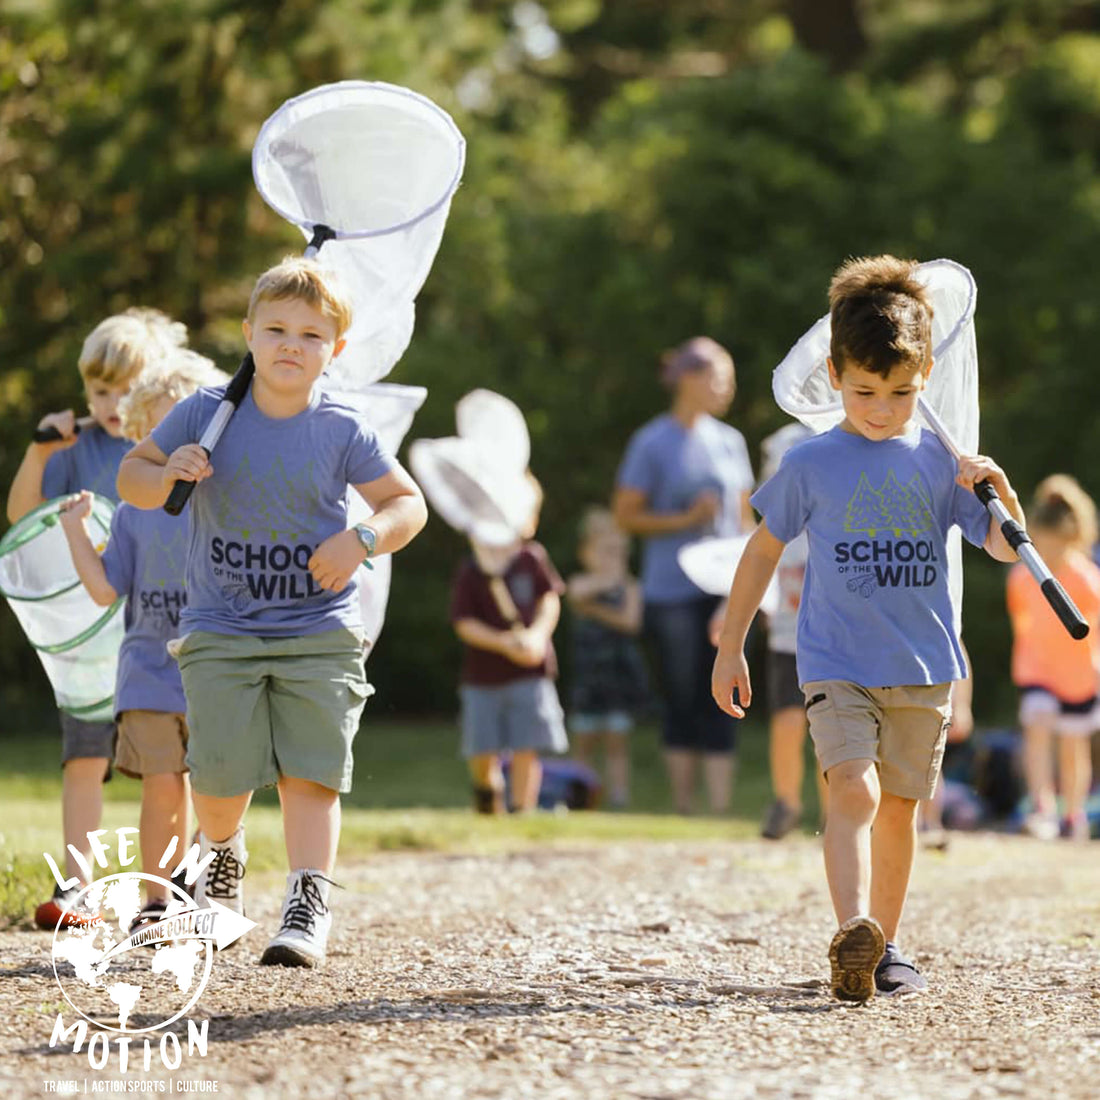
x=672 y=465
x=875 y=607
x=278 y=491
x=90 y=463
x=144 y=561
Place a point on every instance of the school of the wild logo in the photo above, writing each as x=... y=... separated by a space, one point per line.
x=892 y=553
x=268 y=514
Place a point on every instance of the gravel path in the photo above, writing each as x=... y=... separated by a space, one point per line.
x=656 y=972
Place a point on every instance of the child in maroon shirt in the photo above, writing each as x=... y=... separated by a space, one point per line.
x=505 y=605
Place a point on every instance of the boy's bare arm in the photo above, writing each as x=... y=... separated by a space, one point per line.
x=89 y=567
x=147 y=474
x=25 y=493
x=399 y=509
x=399 y=514
x=975 y=468
x=750 y=582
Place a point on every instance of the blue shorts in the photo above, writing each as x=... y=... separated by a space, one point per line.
x=80 y=739
x=523 y=716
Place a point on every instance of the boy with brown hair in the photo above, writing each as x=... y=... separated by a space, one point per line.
x=877 y=650
x=86 y=456
x=271 y=643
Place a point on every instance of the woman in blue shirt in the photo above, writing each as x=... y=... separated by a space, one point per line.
x=686 y=475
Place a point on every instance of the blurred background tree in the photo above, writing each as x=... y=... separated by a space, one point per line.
x=638 y=172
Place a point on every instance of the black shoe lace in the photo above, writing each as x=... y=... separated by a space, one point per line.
x=306 y=903
x=225 y=872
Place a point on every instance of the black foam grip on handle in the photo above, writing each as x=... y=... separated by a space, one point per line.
x=985 y=492
x=179 y=496
x=52 y=435
x=1065 y=609
x=234 y=392
x=49 y=435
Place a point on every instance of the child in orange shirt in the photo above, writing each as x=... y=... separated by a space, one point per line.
x=1057 y=676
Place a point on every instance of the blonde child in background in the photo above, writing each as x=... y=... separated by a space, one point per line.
x=609 y=676
x=1056 y=675
x=144 y=561
x=86 y=456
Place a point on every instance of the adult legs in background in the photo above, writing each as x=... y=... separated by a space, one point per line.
x=693 y=726
x=680 y=764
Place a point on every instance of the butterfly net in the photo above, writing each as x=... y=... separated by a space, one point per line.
x=376 y=165
x=76 y=640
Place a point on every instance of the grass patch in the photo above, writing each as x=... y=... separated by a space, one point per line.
x=410 y=793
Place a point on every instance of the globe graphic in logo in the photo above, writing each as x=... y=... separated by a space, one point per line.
x=119 y=985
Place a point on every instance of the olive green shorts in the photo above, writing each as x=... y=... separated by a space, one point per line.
x=261 y=708
x=903 y=729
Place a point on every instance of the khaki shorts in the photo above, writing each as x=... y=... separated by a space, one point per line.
x=261 y=708
x=903 y=729
x=151 y=742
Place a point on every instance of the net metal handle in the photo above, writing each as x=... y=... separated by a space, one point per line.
x=1016 y=537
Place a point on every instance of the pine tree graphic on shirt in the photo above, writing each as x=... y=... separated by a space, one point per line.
x=920 y=496
x=902 y=509
x=165 y=562
x=866 y=512
x=277 y=506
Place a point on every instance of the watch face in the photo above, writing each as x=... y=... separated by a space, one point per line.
x=366 y=537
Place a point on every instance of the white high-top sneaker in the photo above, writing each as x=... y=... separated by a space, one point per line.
x=221 y=881
x=306 y=922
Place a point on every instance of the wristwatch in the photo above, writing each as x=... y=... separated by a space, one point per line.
x=367 y=538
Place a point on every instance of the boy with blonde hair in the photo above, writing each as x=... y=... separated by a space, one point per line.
x=85 y=455
x=144 y=561
x=877 y=650
x=271 y=650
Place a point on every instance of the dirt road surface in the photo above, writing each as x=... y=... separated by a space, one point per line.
x=655 y=972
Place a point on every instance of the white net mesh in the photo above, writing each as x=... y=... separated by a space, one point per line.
x=802 y=388
x=378 y=165
x=477 y=481
x=77 y=641
x=389 y=409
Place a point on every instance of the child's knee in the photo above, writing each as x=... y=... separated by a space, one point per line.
x=854 y=788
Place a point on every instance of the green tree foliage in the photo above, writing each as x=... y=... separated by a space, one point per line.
x=638 y=172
